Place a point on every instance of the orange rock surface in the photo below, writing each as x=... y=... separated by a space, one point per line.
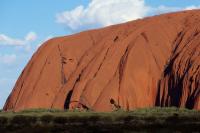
x=150 y=62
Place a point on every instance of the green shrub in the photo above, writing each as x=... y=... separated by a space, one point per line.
x=40 y=110
x=78 y=119
x=23 y=120
x=94 y=118
x=46 y=118
x=3 y=120
x=61 y=120
x=128 y=119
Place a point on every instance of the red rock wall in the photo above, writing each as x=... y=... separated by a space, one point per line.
x=180 y=83
x=144 y=63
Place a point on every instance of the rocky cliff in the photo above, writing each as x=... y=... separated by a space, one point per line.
x=144 y=63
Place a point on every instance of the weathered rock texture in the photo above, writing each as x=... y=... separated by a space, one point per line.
x=144 y=63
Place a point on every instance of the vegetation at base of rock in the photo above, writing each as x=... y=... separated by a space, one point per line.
x=148 y=119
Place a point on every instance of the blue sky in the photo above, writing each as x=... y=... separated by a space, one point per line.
x=25 y=24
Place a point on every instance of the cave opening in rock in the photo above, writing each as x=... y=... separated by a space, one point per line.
x=68 y=98
x=114 y=104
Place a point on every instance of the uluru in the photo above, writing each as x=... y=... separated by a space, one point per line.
x=144 y=63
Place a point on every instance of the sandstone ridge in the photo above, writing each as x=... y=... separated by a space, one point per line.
x=150 y=62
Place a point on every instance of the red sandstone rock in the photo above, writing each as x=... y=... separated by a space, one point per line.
x=144 y=63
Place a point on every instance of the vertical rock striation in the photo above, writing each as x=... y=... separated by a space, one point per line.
x=144 y=63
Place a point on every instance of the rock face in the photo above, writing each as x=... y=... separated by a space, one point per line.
x=144 y=63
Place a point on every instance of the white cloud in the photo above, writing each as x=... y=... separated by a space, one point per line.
x=165 y=9
x=6 y=40
x=162 y=9
x=31 y=36
x=100 y=13
x=8 y=59
x=103 y=13
x=192 y=7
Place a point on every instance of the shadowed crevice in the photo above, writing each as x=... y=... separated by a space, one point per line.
x=192 y=99
x=68 y=98
x=158 y=102
x=63 y=62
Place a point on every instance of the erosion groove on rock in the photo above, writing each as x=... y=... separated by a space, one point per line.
x=150 y=62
